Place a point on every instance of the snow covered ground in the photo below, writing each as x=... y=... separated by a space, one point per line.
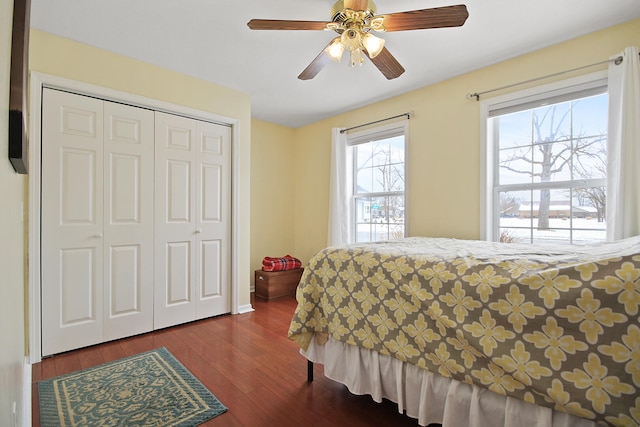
x=585 y=230
x=521 y=230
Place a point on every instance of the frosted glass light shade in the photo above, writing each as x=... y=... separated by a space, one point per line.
x=335 y=50
x=372 y=44
x=356 y=57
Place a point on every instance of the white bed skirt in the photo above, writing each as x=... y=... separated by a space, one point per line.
x=428 y=397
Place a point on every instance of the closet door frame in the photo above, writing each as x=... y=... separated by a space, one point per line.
x=38 y=81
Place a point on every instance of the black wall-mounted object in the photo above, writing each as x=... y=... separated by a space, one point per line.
x=18 y=137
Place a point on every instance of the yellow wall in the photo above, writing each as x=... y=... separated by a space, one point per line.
x=443 y=166
x=272 y=191
x=62 y=57
x=12 y=247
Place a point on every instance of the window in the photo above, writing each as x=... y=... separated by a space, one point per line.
x=547 y=166
x=378 y=177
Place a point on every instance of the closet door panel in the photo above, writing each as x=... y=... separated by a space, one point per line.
x=213 y=237
x=78 y=290
x=125 y=185
x=175 y=220
x=78 y=186
x=72 y=221
x=212 y=193
x=129 y=220
x=179 y=197
x=211 y=269
x=124 y=286
x=178 y=274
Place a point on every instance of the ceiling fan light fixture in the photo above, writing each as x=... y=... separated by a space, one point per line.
x=335 y=50
x=372 y=44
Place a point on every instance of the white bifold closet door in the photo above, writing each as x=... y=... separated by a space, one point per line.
x=136 y=220
x=193 y=209
x=97 y=221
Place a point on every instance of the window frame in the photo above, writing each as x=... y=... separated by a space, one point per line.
x=517 y=101
x=371 y=134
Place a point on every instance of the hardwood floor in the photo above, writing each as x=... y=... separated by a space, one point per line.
x=248 y=362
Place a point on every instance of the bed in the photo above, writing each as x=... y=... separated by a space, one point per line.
x=473 y=333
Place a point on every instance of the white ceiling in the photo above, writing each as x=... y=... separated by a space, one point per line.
x=209 y=39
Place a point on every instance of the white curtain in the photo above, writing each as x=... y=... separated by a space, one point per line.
x=623 y=149
x=340 y=184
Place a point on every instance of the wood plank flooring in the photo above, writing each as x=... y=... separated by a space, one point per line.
x=248 y=362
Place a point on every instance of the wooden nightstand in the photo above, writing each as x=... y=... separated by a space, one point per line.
x=276 y=284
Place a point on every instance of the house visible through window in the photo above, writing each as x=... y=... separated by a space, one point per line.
x=547 y=165
x=378 y=177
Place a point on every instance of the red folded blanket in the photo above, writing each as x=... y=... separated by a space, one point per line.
x=287 y=262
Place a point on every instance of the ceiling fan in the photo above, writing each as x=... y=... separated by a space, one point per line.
x=354 y=21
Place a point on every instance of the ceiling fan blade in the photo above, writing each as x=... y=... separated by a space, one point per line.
x=387 y=64
x=275 y=24
x=315 y=66
x=439 y=17
x=356 y=4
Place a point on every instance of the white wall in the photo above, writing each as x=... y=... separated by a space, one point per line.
x=12 y=248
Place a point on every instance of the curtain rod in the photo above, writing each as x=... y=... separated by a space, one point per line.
x=407 y=114
x=476 y=95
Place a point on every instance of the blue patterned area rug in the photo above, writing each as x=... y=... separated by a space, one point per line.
x=148 y=389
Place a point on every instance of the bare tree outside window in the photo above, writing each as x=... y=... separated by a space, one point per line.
x=595 y=196
x=551 y=170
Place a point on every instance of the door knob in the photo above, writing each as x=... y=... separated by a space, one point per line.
x=198 y=231
x=98 y=235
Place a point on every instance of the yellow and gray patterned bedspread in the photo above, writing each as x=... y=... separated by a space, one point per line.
x=555 y=326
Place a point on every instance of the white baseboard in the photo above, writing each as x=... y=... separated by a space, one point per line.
x=245 y=309
x=26 y=394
